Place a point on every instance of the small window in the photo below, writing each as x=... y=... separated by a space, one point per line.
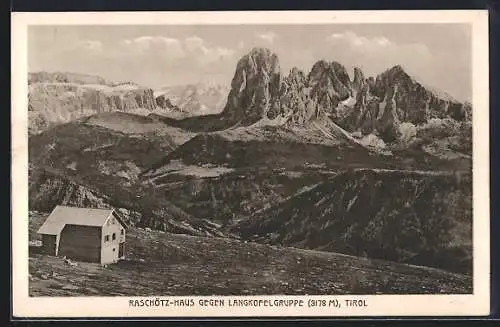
x=114 y=237
x=114 y=249
x=122 y=232
x=106 y=238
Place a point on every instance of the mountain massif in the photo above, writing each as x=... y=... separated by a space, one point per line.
x=390 y=109
x=192 y=99
x=55 y=98
x=379 y=106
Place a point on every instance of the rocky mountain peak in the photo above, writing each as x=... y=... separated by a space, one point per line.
x=64 y=77
x=358 y=74
x=341 y=72
x=296 y=76
x=254 y=88
x=319 y=67
x=260 y=60
x=358 y=80
x=260 y=51
x=330 y=84
x=294 y=101
x=60 y=97
x=397 y=69
x=396 y=74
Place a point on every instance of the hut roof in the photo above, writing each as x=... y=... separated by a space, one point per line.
x=64 y=215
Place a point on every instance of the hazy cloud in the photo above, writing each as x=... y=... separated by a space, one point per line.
x=377 y=53
x=191 y=50
x=156 y=46
x=267 y=36
x=89 y=45
x=194 y=42
x=438 y=54
x=205 y=54
x=355 y=41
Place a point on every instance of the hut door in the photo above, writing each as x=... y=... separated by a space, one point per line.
x=121 y=250
x=50 y=244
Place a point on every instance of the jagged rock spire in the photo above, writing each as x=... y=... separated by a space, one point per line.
x=254 y=88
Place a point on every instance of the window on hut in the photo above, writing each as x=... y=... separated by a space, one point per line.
x=106 y=238
x=114 y=236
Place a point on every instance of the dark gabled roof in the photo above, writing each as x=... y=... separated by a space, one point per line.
x=120 y=218
x=63 y=215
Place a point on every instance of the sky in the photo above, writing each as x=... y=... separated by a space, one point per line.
x=437 y=55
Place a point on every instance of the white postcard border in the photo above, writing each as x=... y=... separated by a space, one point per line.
x=386 y=305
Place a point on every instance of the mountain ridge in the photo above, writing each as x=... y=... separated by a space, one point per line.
x=193 y=99
x=61 y=97
x=259 y=91
x=369 y=106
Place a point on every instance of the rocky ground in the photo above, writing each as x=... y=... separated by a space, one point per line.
x=176 y=264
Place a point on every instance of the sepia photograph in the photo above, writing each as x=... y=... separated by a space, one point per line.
x=187 y=159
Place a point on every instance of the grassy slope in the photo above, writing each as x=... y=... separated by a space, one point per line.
x=138 y=206
x=215 y=149
x=90 y=155
x=423 y=218
x=100 y=138
x=235 y=194
x=168 y=264
x=88 y=143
